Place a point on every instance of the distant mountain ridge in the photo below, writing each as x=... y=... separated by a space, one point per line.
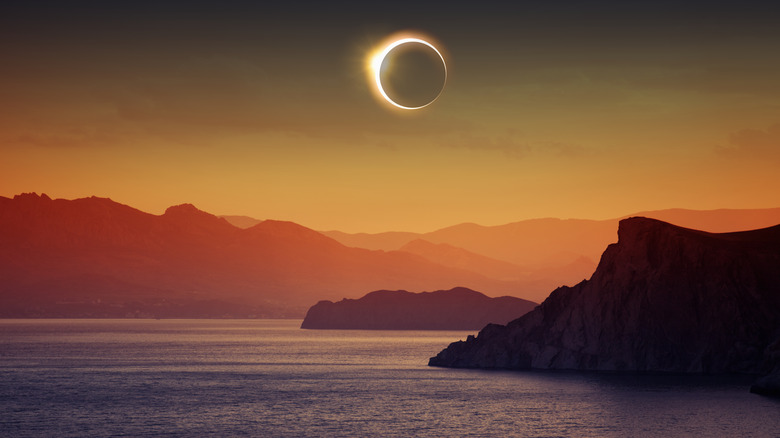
x=93 y=257
x=555 y=252
x=714 y=221
x=456 y=309
x=453 y=256
x=241 y=221
x=107 y=259
x=387 y=241
x=663 y=299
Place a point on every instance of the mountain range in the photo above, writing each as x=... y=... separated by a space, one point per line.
x=94 y=257
x=539 y=255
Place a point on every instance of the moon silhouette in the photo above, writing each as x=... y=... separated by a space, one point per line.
x=410 y=73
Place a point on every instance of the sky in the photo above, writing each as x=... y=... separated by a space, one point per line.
x=265 y=109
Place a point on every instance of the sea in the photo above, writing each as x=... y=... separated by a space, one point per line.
x=269 y=378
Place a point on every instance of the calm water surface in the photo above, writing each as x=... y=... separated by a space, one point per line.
x=75 y=378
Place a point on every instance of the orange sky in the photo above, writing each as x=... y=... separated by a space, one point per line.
x=572 y=111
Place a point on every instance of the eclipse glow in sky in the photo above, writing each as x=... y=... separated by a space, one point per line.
x=410 y=73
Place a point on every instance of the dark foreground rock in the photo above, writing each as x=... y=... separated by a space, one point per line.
x=770 y=384
x=663 y=299
x=455 y=309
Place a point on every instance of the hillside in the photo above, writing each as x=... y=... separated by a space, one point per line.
x=455 y=309
x=553 y=252
x=94 y=257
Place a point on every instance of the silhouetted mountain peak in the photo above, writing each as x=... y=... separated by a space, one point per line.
x=31 y=197
x=462 y=292
x=454 y=293
x=189 y=217
x=189 y=211
x=241 y=221
x=290 y=231
x=423 y=243
x=449 y=255
x=637 y=229
x=645 y=243
x=184 y=209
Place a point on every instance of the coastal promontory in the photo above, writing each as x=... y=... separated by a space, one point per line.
x=456 y=309
x=662 y=299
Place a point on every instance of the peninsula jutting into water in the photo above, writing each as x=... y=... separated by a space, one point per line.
x=456 y=309
x=663 y=299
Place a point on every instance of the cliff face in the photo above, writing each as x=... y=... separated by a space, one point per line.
x=455 y=309
x=663 y=299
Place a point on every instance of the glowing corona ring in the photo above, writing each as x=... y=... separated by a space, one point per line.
x=376 y=65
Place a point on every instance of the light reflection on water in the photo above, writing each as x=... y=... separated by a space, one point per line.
x=269 y=378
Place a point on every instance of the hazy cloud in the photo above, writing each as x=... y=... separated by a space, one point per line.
x=510 y=143
x=754 y=144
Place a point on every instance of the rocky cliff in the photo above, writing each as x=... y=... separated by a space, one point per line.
x=663 y=299
x=455 y=309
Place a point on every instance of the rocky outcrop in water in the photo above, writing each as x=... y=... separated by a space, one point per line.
x=455 y=309
x=663 y=299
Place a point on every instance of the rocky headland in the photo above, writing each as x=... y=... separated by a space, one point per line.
x=456 y=309
x=663 y=299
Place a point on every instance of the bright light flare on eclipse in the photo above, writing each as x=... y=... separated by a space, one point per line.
x=408 y=71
